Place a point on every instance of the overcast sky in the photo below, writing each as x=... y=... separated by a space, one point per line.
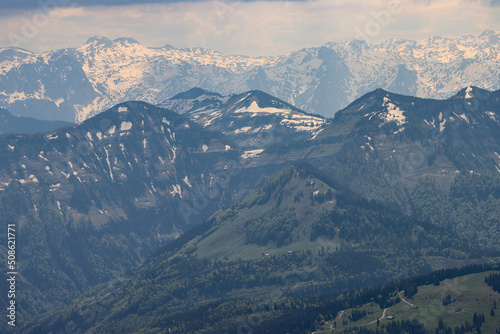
x=255 y=28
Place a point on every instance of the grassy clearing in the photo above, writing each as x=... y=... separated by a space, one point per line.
x=470 y=294
x=229 y=239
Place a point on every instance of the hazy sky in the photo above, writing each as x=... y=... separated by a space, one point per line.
x=239 y=27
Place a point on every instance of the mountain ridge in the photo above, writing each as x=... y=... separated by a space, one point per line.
x=10 y=124
x=319 y=80
x=252 y=119
x=94 y=199
x=341 y=259
x=134 y=177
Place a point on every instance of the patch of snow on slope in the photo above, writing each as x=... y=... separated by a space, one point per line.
x=52 y=136
x=442 y=122
x=186 y=181
x=429 y=123
x=252 y=153
x=492 y=115
x=125 y=126
x=401 y=129
x=463 y=117
x=255 y=109
x=109 y=164
x=316 y=134
x=393 y=114
x=243 y=129
x=301 y=122
x=176 y=190
x=469 y=93
x=498 y=158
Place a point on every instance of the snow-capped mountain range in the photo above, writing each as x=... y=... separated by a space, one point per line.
x=74 y=84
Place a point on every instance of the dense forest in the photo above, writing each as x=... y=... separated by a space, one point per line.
x=493 y=280
x=279 y=312
x=471 y=208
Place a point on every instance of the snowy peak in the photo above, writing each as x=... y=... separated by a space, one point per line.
x=98 y=47
x=258 y=103
x=98 y=40
x=383 y=106
x=444 y=136
x=253 y=119
x=379 y=98
x=136 y=118
x=488 y=33
x=106 y=42
x=126 y=40
x=195 y=102
x=133 y=122
x=194 y=93
x=355 y=45
x=260 y=100
x=380 y=94
x=471 y=92
x=393 y=114
x=14 y=54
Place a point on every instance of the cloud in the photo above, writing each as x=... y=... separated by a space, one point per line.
x=35 y=4
x=247 y=27
x=31 y=4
